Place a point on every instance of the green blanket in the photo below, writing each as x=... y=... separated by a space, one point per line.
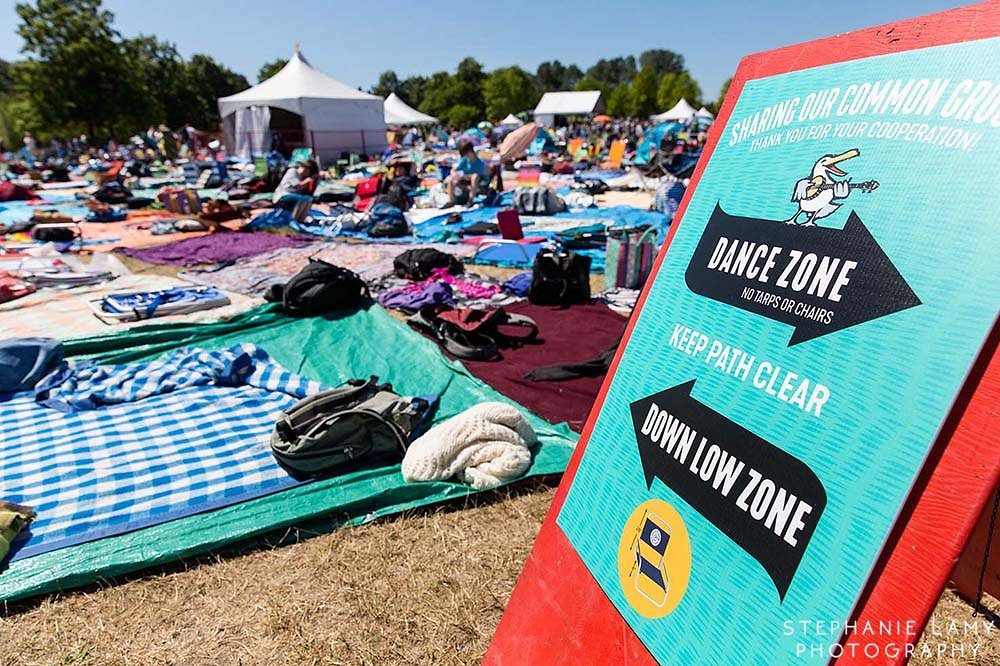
x=330 y=350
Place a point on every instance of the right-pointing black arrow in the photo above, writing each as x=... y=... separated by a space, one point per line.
x=766 y=500
x=821 y=279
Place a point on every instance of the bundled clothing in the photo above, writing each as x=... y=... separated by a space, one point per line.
x=83 y=385
x=484 y=446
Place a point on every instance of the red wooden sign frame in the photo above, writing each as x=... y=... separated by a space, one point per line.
x=559 y=614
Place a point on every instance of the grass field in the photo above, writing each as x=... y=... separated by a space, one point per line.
x=425 y=588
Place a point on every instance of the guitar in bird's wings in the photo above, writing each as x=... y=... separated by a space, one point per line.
x=810 y=188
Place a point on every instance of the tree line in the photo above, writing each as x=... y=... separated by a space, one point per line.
x=79 y=75
x=637 y=87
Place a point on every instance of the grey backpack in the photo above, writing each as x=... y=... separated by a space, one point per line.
x=362 y=422
x=537 y=201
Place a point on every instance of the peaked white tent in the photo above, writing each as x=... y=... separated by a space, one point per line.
x=511 y=121
x=681 y=111
x=705 y=113
x=398 y=112
x=334 y=117
x=576 y=103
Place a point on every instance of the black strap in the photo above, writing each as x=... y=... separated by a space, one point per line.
x=978 y=607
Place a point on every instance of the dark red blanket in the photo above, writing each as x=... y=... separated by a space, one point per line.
x=573 y=335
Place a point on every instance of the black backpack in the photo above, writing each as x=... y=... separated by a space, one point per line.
x=559 y=278
x=55 y=234
x=347 y=427
x=386 y=221
x=318 y=288
x=112 y=193
x=419 y=263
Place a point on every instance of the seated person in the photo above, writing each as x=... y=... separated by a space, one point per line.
x=298 y=183
x=469 y=174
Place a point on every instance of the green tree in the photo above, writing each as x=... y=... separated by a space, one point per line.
x=269 y=69
x=613 y=71
x=437 y=95
x=6 y=78
x=74 y=70
x=642 y=93
x=662 y=61
x=461 y=116
x=590 y=83
x=618 y=103
x=158 y=85
x=387 y=83
x=444 y=91
x=508 y=90
x=470 y=72
x=674 y=87
x=208 y=81
x=553 y=76
x=722 y=94
x=412 y=90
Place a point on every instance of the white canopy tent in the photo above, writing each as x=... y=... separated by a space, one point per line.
x=335 y=118
x=576 y=103
x=705 y=113
x=681 y=111
x=398 y=112
x=511 y=121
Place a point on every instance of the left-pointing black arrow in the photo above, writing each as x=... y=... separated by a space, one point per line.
x=766 y=500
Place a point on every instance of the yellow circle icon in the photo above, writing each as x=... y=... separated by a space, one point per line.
x=654 y=559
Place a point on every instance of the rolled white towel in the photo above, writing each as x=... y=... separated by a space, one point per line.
x=483 y=446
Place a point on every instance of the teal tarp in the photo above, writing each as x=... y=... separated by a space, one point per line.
x=330 y=350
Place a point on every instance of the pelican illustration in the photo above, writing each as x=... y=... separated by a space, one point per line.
x=817 y=195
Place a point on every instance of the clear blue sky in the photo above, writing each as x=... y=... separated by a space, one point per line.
x=355 y=41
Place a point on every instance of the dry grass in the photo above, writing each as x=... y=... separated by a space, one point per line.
x=425 y=588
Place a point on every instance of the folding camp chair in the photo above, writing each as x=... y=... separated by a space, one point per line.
x=528 y=176
x=573 y=147
x=511 y=233
x=615 y=156
x=260 y=167
x=486 y=244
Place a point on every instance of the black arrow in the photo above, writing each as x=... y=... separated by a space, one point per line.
x=678 y=440
x=875 y=288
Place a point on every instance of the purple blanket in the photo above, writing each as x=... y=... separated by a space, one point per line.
x=214 y=248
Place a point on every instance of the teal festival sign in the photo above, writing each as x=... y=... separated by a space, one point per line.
x=817 y=311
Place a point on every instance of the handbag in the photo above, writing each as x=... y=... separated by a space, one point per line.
x=559 y=278
x=630 y=255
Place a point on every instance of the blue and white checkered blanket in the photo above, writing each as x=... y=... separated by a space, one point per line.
x=118 y=467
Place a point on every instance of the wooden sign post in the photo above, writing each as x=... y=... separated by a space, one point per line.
x=800 y=428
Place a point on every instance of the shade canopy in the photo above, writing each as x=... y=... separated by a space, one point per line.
x=705 y=113
x=335 y=117
x=511 y=121
x=568 y=103
x=682 y=110
x=398 y=112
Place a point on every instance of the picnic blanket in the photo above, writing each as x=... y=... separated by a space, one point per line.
x=315 y=348
x=548 y=226
x=214 y=248
x=254 y=275
x=67 y=313
x=565 y=335
x=145 y=442
x=14 y=212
